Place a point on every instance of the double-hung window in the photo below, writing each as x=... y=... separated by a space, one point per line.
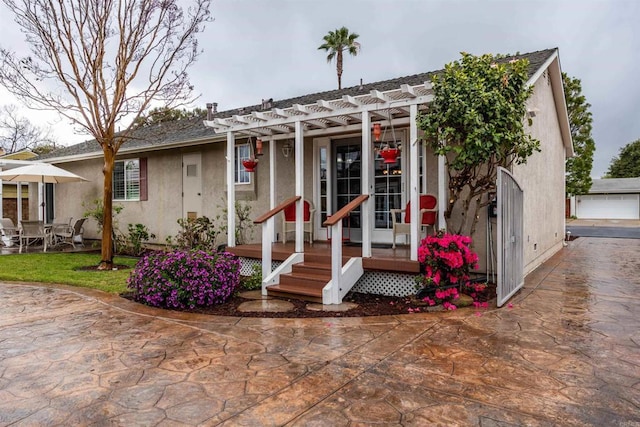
x=126 y=180
x=241 y=175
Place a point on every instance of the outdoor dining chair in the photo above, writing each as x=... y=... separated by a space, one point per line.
x=8 y=232
x=31 y=232
x=69 y=234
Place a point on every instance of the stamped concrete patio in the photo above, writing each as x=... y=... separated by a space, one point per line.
x=566 y=353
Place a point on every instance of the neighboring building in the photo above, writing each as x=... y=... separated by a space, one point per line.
x=610 y=198
x=15 y=207
x=322 y=151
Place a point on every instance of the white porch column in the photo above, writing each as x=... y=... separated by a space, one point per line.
x=272 y=181
x=416 y=218
x=366 y=185
x=231 y=190
x=299 y=153
x=443 y=197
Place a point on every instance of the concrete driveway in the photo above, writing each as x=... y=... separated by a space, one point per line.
x=567 y=353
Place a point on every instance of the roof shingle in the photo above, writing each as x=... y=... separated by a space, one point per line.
x=185 y=130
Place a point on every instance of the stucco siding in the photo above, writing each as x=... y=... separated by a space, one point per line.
x=543 y=180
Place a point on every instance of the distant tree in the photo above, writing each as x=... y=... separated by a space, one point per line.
x=101 y=64
x=17 y=133
x=580 y=121
x=476 y=120
x=43 y=149
x=337 y=42
x=164 y=114
x=627 y=163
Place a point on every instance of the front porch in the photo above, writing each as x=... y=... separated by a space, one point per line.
x=382 y=258
x=387 y=271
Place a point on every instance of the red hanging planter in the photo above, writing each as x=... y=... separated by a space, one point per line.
x=389 y=155
x=250 y=164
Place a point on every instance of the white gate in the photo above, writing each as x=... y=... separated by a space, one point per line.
x=510 y=236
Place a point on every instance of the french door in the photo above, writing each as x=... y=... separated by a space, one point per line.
x=338 y=180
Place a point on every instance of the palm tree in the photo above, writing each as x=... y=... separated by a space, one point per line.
x=337 y=42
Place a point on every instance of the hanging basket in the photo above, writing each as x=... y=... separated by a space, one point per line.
x=250 y=164
x=390 y=155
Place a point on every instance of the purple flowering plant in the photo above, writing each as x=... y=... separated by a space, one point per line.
x=445 y=262
x=185 y=278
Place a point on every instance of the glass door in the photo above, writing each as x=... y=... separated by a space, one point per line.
x=388 y=179
x=347 y=155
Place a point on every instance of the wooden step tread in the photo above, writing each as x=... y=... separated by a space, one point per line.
x=312 y=279
x=295 y=290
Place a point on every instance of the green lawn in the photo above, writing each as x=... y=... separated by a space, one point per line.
x=61 y=268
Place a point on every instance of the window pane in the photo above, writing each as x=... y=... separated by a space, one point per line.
x=132 y=180
x=118 y=181
x=126 y=180
x=240 y=173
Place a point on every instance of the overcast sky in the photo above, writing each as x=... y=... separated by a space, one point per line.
x=268 y=49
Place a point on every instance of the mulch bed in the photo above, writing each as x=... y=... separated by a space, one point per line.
x=367 y=305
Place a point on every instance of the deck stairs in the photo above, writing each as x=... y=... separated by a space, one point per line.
x=306 y=280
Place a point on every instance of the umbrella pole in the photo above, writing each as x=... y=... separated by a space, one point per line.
x=44 y=197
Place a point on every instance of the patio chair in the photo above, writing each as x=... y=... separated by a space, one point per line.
x=428 y=209
x=70 y=235
x=55 y=224
x=31 y=232
x=9 y=233
x=289 y=220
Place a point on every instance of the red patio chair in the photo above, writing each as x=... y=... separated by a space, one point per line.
x=428 y=208
x=289 y=220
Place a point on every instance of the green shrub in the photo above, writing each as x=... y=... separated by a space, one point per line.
x=133 y=242
x=95 y=210
x=200 y=233
x=254 y=281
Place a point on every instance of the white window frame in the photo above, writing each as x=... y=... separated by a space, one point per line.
x=241 y=176
x=125 y=180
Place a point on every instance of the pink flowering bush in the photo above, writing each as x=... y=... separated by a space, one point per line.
x=445 y=262
x=185 y=278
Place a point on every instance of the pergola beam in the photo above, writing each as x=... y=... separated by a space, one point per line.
x=322 y=114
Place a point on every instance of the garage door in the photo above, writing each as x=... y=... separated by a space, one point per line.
x=608 y=206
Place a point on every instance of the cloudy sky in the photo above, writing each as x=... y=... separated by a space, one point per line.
x=268 y=49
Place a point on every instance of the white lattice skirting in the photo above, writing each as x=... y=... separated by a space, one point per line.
x=371 y=282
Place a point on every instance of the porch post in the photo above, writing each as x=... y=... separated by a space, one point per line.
x=268 y=228
x=299 y=153
x=416 y=218
x=272 y=183
x=442 y=193
x=1 y=199
x=367 y=185
x=231 y=190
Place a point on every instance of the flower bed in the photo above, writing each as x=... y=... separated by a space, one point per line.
x=185 y=278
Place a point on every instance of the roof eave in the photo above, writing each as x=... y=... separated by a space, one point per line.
x=214 y=138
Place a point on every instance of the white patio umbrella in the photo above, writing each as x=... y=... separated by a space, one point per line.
x=40 y=172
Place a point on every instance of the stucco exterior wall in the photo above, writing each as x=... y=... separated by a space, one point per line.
x=543 y=181
x=164 y=176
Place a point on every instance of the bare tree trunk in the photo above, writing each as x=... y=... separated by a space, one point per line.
x=107 y=201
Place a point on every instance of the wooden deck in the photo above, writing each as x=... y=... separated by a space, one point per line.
x=382 y=259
